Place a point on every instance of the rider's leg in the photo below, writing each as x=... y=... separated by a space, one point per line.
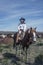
x=17 y=37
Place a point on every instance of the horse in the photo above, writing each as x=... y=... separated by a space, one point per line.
x=29 y=37
x=25 y=42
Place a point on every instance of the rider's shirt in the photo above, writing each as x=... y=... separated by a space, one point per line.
x=22 y=27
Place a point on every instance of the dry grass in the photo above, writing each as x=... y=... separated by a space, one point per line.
x=33 y=52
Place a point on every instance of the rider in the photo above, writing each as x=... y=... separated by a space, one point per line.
x=21 y=27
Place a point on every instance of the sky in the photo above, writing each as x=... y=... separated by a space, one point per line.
x=12 y=10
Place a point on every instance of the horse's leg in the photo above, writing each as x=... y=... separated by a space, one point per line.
x=15 y=35
x=14 y=44
x=20 y=47
x=26 y=55
x=15 y=49
x=21 y=53
x=18 y=50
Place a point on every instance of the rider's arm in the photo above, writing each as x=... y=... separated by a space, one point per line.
x=18 y=27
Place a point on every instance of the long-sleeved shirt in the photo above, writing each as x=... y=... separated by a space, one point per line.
x=22 y=27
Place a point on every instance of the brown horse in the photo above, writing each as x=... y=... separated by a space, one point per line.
x=26 y=40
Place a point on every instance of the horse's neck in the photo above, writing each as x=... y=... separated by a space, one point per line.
x=26 y=35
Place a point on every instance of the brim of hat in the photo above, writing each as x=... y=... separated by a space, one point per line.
x=22 y=19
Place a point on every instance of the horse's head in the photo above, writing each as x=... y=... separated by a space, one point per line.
x=33 y=31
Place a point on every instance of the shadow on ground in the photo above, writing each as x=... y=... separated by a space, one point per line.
x=13 y=58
